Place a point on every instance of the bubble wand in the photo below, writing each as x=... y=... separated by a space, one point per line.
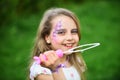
x=60 y=53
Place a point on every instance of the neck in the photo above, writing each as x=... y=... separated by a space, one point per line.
x=65 y=60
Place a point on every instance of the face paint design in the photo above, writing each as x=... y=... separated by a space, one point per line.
x=57 y=27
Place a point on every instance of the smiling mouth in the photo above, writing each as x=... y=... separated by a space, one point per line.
x=70 y=45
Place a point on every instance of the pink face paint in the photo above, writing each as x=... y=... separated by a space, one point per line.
x=57 y=27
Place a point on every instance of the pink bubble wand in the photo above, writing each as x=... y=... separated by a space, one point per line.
x=60 y=53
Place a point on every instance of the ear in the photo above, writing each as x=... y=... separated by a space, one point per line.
x=47 y=39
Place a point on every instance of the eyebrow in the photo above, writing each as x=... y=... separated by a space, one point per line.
x=58 y=30
x=74 y=29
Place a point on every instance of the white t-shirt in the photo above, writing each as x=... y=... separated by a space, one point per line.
x=70 y=73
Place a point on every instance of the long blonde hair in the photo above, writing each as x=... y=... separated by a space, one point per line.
x=45 y=29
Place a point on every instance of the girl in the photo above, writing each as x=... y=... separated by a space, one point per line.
x=59 y=29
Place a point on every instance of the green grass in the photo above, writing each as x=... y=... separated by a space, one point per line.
x=99 y=23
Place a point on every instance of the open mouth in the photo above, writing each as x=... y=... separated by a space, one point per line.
x=70 y=45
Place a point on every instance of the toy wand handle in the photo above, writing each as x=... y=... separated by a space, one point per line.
x=59 y=52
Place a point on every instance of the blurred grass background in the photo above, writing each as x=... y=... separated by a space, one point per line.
x=100 y=22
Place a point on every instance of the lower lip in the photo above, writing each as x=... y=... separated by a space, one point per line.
x=68 y=47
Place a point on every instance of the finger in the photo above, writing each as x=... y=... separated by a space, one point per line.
x=51 y=57
x=42 y=58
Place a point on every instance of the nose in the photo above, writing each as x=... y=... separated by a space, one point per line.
x=69 y=37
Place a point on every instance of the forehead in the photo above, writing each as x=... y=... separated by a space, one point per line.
x=64 y=21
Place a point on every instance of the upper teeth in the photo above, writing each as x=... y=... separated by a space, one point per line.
x=68 y=44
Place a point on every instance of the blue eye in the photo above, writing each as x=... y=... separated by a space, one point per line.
x=61 y=31
x=74 y=31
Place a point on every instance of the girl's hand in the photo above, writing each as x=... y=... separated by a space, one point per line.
x=50 y=59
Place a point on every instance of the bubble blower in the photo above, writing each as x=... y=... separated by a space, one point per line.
x=73 y=50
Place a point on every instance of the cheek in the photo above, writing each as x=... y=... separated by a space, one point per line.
x=76 y=38
x=55 y=43
x=55 y=39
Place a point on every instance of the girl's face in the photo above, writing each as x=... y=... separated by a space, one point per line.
x=64 y=33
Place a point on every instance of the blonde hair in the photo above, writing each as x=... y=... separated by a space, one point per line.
x=45 y=29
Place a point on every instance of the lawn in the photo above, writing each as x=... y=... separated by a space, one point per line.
x=99 y=22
